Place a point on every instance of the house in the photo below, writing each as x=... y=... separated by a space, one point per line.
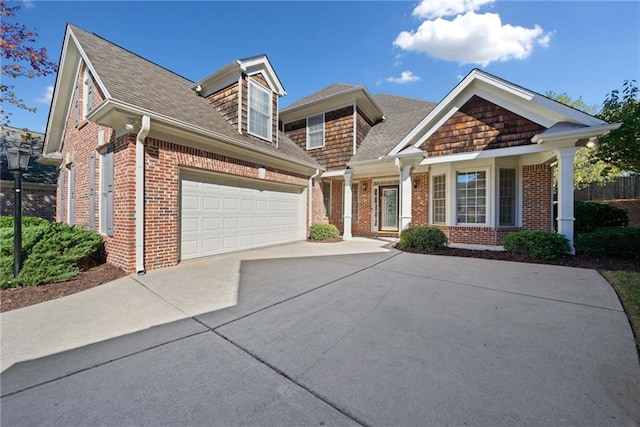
x=38 y=182
x=168 y=169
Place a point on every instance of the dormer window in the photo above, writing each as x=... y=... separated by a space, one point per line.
x=259 y=111
x=315 y=131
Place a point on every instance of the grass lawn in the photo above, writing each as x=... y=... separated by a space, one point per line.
x=627 y=285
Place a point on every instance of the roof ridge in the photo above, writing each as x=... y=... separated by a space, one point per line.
x=75 y=27
x=405 y=97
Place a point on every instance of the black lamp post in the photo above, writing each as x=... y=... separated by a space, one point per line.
x=17 y=162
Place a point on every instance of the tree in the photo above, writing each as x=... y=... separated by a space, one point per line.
x=621 y=147
x=20 y=58
x=587 y=168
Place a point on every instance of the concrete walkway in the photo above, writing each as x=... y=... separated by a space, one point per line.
x=328 y=334
x=134 y=303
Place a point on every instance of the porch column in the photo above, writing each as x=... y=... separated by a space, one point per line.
x=405 y=195
x=346 y=234
x=565 y=218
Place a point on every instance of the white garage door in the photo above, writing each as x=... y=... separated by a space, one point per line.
x=220 y=215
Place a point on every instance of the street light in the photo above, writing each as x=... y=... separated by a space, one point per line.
x=17 y=162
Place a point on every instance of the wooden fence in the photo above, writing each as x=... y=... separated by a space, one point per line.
x=624 y=187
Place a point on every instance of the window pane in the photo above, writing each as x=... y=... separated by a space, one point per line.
x=326 y=198
x=507 y=208
x=439 y=199
x=471 y=201
x=354 y=202
x=315 y=131
x=259 y=111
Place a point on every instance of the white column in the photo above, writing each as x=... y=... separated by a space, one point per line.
x=565 y=193
x=346 y=235
x=406 y=187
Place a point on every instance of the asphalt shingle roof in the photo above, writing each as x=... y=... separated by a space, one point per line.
x=131 y=79
x=37 y=173
x=402 y=114
x=324 y=93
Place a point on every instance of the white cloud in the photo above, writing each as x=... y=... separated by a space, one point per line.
x=473 y=39
x=439 y=8
x=28 y=4
x=405 y=77
x=47 y=96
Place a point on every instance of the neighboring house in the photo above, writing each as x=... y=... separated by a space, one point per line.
x=168 y=169
x=38 y=182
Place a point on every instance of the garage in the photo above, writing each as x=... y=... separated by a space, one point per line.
x=222 y=214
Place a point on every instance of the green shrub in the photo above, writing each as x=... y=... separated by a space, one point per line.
x=323 y=231
x=591 y=216
x=423 y=238
x=616 y=242
x=50 y=253
x=27 y=221
x=536 y=244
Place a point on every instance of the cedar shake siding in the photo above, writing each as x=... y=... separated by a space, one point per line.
x=480 y=125
x=338 y=138
x=226 y=102
x=363 y=126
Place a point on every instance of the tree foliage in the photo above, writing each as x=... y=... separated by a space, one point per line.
x=588 y=169
x=621 y=147
x=20 y=58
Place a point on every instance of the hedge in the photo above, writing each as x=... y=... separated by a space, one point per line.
x=323 y=231
x=615 y=242
x=591 y=216
x=422 y=238
x=536 y=244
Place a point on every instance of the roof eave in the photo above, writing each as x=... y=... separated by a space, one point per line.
x=114 y=113
x=348 y=96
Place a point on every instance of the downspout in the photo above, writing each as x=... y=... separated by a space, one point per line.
x=144 y=131
x=310 y=215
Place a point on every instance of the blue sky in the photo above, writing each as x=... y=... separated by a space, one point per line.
x=419 y=49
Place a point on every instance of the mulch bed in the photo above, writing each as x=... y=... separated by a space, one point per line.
x=578 y=261
x=13 y=298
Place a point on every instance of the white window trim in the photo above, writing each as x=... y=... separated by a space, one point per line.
x=446 y=198
x=489 y=183
x=323 y=131
x=255 y=86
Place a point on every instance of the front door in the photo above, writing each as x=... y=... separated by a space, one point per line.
x=388 y=208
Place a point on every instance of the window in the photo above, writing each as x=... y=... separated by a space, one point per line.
x=354 y=202
x=326 y=198
x=471 y=193
x=259 y=111
x=315 y=132
x=439 y=199
x=88 y=89
x=106 y=191
x=507 y=207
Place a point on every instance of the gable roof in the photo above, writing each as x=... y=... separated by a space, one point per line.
x=531 y=105
x=230 y=73
x=37 y=173
x=135 y=85
x=332 y=97
x=401 y=116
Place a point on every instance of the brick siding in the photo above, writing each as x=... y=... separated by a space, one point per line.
x=480 y=125
x=536 y=200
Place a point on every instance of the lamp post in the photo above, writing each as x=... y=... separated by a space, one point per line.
x=17 y=162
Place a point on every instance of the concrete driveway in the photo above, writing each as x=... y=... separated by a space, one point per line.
x=327 y=334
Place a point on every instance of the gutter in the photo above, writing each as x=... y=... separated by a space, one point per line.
x=144 y=131
x=125 y=108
